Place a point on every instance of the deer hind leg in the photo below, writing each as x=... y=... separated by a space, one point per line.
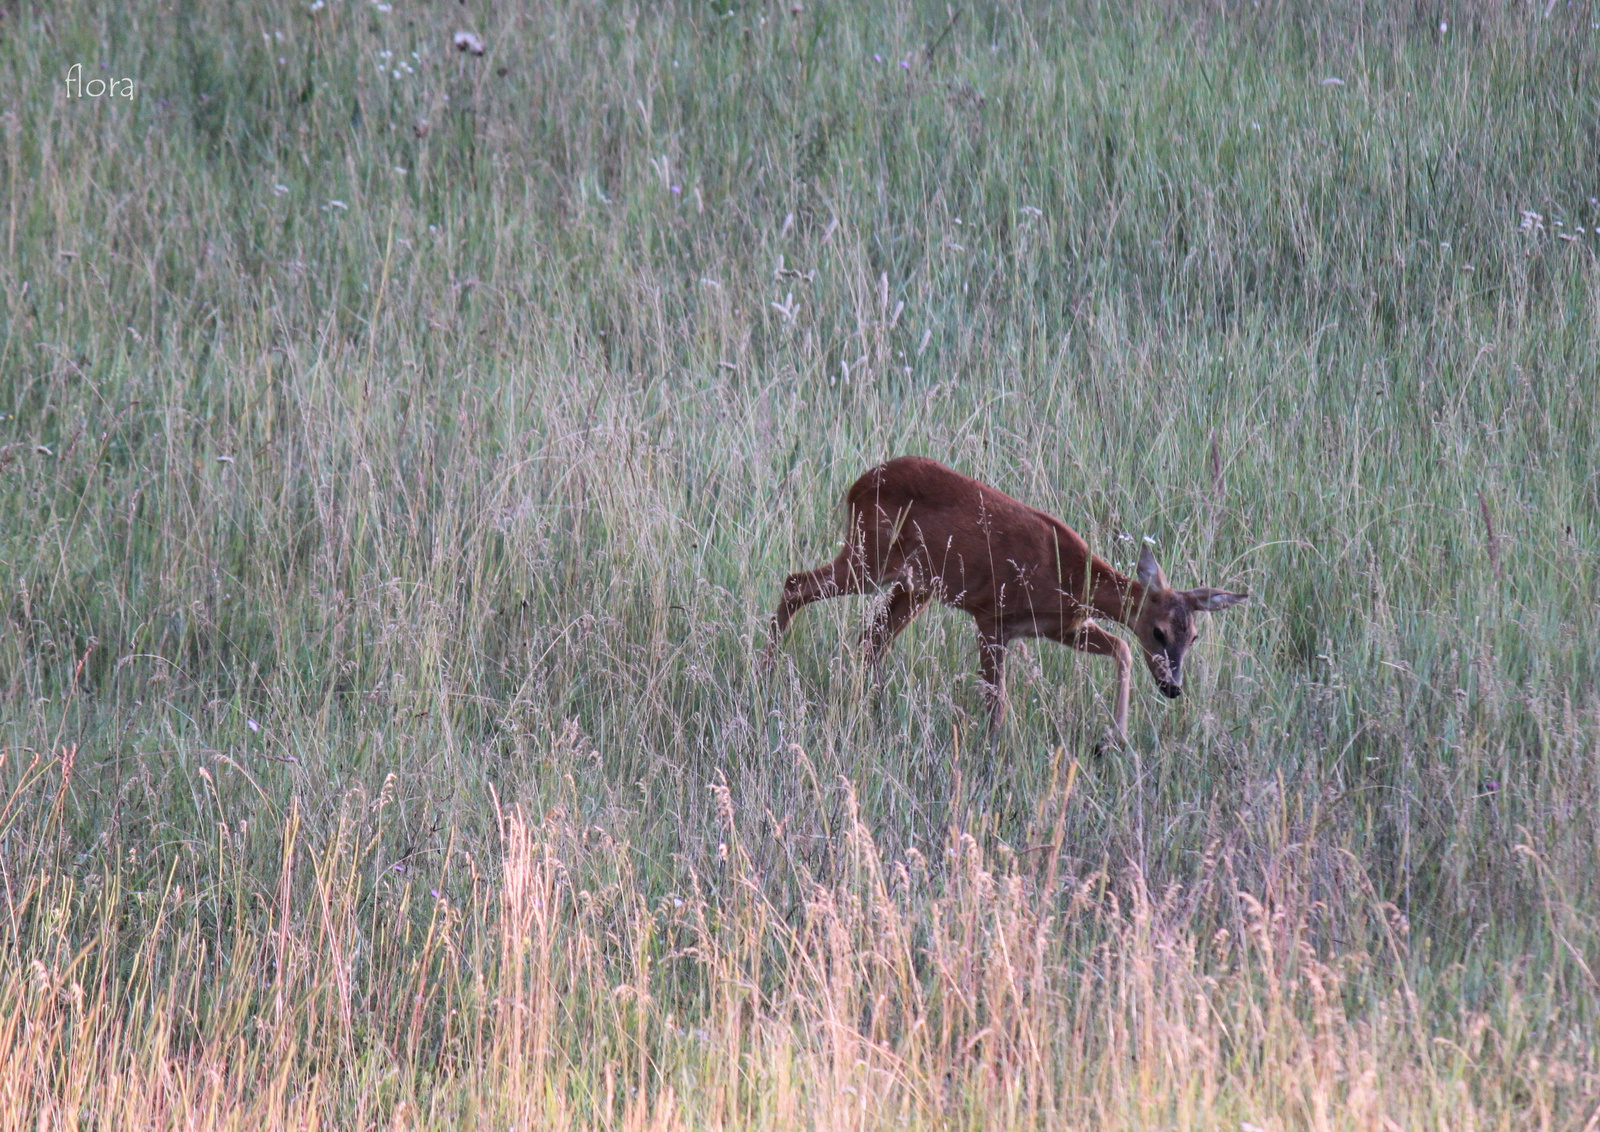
x=992 y=669
x=1095 y=641
x=840 y=576
x=903 y=607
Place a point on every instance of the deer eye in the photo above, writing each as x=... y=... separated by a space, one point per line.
x=1161 y=638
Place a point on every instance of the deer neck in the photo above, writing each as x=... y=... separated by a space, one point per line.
x=1114 y=596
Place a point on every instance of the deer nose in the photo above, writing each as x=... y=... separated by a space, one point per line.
x=1169 y=676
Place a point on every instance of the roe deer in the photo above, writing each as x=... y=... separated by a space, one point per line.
x=922 y=532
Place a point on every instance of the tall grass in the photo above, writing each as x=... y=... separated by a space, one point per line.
x=402 y=450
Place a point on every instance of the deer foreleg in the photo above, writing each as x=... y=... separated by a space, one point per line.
x=1094 y=640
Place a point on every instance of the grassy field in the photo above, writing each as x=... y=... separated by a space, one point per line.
x=401 y=451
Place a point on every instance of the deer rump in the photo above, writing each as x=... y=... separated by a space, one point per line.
x=918 y=529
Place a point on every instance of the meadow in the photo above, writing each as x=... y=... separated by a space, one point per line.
x=401 y=451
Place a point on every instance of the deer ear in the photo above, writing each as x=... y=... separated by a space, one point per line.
x=1150 y=575
x=1207 y=600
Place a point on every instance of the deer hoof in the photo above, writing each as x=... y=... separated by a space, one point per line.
x=1111 y=742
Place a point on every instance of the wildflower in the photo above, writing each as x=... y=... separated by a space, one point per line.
x=876 y=58
x=252 y=725
x=279 y=190
x=466 y=41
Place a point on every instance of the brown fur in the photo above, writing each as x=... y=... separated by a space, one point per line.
x=922 y=532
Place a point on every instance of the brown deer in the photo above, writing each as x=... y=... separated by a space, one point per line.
x=921 y=532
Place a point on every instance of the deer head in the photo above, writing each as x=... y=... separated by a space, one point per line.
x=1165 y=625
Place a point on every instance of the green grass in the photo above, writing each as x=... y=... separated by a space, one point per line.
x=398 y=467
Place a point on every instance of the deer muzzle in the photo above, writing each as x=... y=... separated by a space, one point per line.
x=1168 y=676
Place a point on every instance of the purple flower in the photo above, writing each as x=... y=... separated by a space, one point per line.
x=677 y=188
x=876 y=58
x=905 y=64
